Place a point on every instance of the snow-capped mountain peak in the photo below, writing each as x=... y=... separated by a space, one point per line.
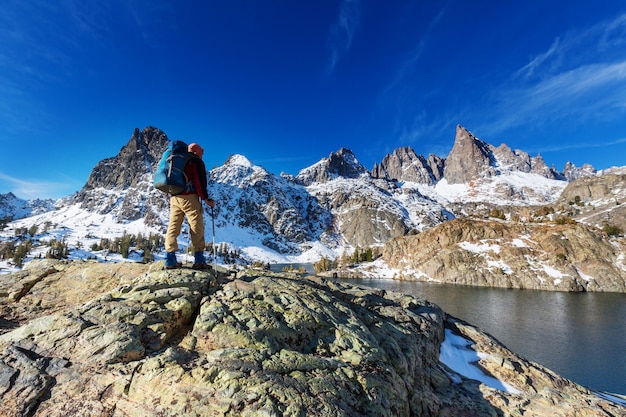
x=342 y=163
x=16 y=208
x=240 y=160
x=238 y=171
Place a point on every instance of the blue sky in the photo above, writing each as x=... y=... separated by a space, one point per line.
x=287 y=82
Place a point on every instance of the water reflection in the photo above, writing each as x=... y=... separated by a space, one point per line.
x=581 y=336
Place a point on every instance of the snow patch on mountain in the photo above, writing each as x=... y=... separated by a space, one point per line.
x=508 y=188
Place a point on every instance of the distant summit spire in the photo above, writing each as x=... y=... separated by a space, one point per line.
x=469 y=158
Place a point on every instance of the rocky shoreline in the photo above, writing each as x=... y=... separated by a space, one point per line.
x=102 y=339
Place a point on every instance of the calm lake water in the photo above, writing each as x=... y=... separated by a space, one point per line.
x=581 y=336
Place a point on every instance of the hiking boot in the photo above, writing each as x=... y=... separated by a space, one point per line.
x=201 y=267
x=170 y=261
x=199 y=261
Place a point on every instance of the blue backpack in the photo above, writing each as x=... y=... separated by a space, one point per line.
x=169 y=176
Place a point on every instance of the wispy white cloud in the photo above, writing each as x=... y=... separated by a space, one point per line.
x=578 y=47
x=594 y=91
x=529 y=69
x=580 y=77
x=408 y=65
x=342 y=32
x=580 y=145
x=613 y=33
x=36 y=189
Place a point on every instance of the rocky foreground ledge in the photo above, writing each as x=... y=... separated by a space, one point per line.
x=93 y=339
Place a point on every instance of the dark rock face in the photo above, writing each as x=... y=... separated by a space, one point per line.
x=128 y=167
x=123 y=184
x=136 y=340
x=470 y=158
x=405 y=165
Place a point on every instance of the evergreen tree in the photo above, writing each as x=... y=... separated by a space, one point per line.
x=147 y=256
x=20 y=253
x=57 y=250
x=323 y=265
x=32 y=231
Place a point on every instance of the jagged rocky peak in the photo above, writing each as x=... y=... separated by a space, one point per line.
x=571 y=172
x=129 y=174
x=515 y=160
x=342 y=163
x=469 y=158
x=138 y=157
x=405 y=165
x=436 y=164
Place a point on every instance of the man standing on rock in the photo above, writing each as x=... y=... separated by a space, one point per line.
x=189 y=205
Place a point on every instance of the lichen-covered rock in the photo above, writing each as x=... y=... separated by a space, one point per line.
x=153 y=342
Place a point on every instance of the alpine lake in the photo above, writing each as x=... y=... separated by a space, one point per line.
x=580 y=336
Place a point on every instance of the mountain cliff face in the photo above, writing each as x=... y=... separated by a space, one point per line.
x=281 y=212
x=469 y=159
x=122 y=185
x=127 y=168
x=363 y=211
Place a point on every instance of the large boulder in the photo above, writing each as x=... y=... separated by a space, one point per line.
x=139 y=340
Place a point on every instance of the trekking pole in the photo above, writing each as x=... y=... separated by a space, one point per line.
x=188 y=242
x=214 y=252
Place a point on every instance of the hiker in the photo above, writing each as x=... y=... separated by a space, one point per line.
x=189 y=204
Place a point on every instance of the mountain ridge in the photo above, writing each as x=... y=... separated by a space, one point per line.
x=333 y=207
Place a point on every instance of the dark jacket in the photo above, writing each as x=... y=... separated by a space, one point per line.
x=196 y=173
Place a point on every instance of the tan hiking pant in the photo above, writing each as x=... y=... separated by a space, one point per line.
x=182 y=206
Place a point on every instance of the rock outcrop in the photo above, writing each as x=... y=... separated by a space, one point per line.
x=597 y=200
x=405 y=165
x=87 y=339
x=491 y=253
